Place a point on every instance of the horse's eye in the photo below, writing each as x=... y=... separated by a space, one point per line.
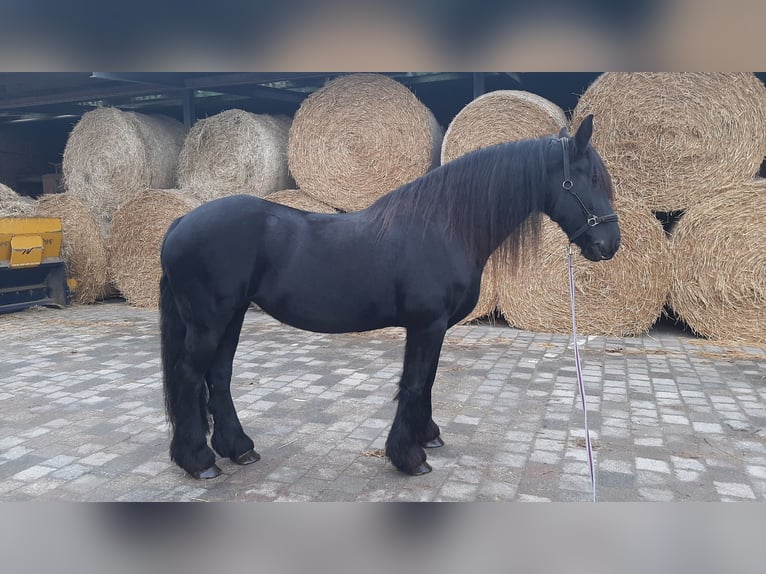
x=594 y=178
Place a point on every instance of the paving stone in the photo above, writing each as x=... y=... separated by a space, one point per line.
x=81 y=393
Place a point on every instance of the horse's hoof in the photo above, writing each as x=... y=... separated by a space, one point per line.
x=210 y=472
x=248 y=457
x=422 y=468
x=433 y=443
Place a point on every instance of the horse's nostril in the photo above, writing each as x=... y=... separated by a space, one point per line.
x=607 y=249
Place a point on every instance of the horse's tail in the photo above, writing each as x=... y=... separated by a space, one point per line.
x=172 y=341
x=172 y=335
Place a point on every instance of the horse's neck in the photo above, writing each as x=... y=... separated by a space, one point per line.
x=509 y=203
x=480 y=200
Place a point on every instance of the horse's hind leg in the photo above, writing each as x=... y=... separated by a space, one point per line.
x=188 y=447
x=229 y=440
x=413 y=426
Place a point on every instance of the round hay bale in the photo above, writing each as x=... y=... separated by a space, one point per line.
x=14 y=205
x=299 y=200
x=135 y=238
x=235 y=152
x=673 y=139
x=622 y=297
x=82 y=247
x=111 y=155
x=501 y=116
x=359 y=137
x=719 y=265
x=493 y=118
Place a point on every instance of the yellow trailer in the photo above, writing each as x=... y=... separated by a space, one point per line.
x=32 y=271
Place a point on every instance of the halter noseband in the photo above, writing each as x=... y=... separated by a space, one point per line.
x=592 y=219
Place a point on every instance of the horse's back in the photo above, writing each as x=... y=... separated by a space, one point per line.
x=211 y=253
x=224 y=229
x=300 y=267
x=319 y=272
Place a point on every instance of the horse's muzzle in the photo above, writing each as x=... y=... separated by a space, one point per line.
x=600 y=250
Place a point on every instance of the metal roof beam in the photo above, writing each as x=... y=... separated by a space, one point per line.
x=103 y=93
x=240 y=84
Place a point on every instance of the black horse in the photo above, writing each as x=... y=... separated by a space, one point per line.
x=413 y=259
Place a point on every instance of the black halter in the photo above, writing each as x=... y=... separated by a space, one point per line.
x=592 y=220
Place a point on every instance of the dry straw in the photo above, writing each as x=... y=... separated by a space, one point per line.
x=12 y=204
x=111 y=155
x=83 y=247
x=623 y=296
x=135 y=238
x=497 y=117
x=674 y=139
x=235 y=152
x=719 y=265
x=359 y=137
x=299 y=200
x=501 y=116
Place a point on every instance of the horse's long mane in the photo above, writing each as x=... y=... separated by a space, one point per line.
x=600 y=171
x=487 y=198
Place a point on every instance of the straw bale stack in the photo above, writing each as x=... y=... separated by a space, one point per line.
x=299 y=200
x=135 y=238
x=673 y=139
x=111 y=155
x=623 y=296
x=12 y=204
x=719 y=265
x=82 y=247
x=359 y=137
x=497 y=117
x=235 y=152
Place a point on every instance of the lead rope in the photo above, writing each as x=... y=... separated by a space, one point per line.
x=580 y=383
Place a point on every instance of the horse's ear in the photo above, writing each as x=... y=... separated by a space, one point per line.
x=564 y=133
x=582 y=137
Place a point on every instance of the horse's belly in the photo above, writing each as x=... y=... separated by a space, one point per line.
x=330 y=310
x=325 y=320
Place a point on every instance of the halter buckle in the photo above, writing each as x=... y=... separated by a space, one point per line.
x=568 y=184
x=594 y=220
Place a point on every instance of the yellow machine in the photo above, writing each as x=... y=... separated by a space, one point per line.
x=31 y=269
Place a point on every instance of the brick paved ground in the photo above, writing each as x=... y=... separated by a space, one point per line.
x=673 y=418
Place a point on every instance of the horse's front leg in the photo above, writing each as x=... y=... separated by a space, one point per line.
x=413 y=428
x=229 y=439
